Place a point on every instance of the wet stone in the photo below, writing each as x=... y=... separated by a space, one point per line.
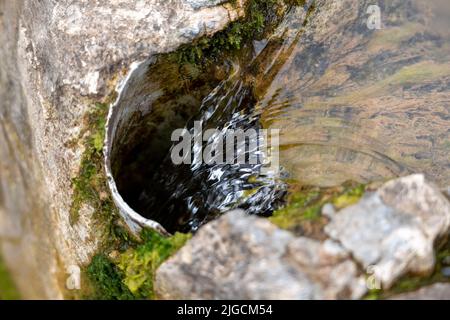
x=348 y=98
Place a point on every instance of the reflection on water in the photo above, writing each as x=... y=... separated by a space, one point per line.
x=363 y=105
x=352 y=104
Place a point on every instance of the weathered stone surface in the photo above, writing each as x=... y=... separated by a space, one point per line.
x=394 y=229
x=245 y=257
x=437 y=291
x=58 y=58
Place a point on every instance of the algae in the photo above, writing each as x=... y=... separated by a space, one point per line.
x=106 y=280
x=90 y=185
x=304 y=204
x=418 y=73
x=130 y=274
x=261 y=17
x=139 y=264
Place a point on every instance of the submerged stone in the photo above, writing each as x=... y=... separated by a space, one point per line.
x=359 y=104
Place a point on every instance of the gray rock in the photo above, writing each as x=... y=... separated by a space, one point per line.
x=246 y=257
x=392 y=231
x=437 y=291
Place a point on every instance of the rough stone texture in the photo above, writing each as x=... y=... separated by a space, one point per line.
x=437 y=291
x=57 y=59
x=245 y=257
x=394 y=229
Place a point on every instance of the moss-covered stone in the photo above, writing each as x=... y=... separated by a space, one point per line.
x=261 y=16
x=90 y=185
x=102 y=278
x=106 y=280
x=130 y=274
x=139 y=264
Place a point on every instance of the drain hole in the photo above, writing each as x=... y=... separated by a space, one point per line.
x=168 y=97
x=163 y=98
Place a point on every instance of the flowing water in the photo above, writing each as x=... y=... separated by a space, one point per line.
x=363 y=105
x=351 y=103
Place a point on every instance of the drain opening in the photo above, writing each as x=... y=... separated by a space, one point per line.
x=164 y=95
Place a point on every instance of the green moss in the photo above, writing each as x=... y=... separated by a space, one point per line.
x=349 y=197
x=306 y=204
x=301 y=206
x=374 y=294
x=106 y=280
x=8 y=290
x=260 y=17
x=90 y=186
x=131 y=274
x=139 y=264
